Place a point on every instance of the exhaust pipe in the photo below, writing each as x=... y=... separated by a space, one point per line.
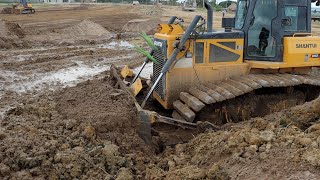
x=172 y=19
x=209 y=16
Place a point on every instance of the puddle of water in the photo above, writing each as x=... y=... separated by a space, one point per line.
x=146 y=72
x=62 y=78
x=117 y=44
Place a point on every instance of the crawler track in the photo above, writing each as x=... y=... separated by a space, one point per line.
x=230 y=99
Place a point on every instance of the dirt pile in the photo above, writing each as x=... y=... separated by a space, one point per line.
x=10 y=29
x=86 y=28
x=142 y=25
x=151 y=10
x=84 y=132
x=85 y=32
x=81 y=7
x=10 y=34
x=110 y=111
x=6 y=10
x=285 y=145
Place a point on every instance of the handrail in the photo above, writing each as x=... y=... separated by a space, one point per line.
x=312 y=34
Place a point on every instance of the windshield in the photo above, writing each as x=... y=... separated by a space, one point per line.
x=241 y=13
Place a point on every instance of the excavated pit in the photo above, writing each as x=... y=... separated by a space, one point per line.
x=259 y=103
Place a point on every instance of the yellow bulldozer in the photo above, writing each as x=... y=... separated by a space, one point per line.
x=23 y=7
x=259 y=63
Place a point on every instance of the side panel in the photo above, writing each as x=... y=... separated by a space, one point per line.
x=302 y=51
x=187 y=73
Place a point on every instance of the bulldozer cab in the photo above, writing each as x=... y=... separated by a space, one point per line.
x=266 y=22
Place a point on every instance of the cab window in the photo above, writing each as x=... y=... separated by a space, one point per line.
x=241 y=13
x=296 y=17
x=260 y=39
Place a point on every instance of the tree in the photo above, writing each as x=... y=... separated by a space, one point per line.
x=173 y=2
x=213 y=3
x=199 y=3
x=225 y=4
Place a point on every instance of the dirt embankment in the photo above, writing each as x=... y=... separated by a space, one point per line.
x=284 y=145
x=85 y=32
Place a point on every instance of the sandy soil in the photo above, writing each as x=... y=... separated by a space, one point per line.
x=61 y=116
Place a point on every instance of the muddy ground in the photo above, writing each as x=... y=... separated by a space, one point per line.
x=61 y=116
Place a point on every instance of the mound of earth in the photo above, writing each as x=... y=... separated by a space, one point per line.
x=85 y=32
x=10 y=29
x=284 y=145
x=86 y=28
x=83 y=132
x=151 y=10
x=10 y=35
x=142 y=25
x=110 y=111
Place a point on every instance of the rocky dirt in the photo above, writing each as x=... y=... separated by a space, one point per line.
x=88 y=131
x=61 y=116
x=282 y=145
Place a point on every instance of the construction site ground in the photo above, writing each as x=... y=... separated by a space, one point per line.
x=61 y=116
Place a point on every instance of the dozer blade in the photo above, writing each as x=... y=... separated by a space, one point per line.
x=136 y=87
x=146 y=117
x=125 y=71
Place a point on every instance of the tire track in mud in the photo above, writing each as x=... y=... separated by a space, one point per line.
x=31 y=70
x=58 y=58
